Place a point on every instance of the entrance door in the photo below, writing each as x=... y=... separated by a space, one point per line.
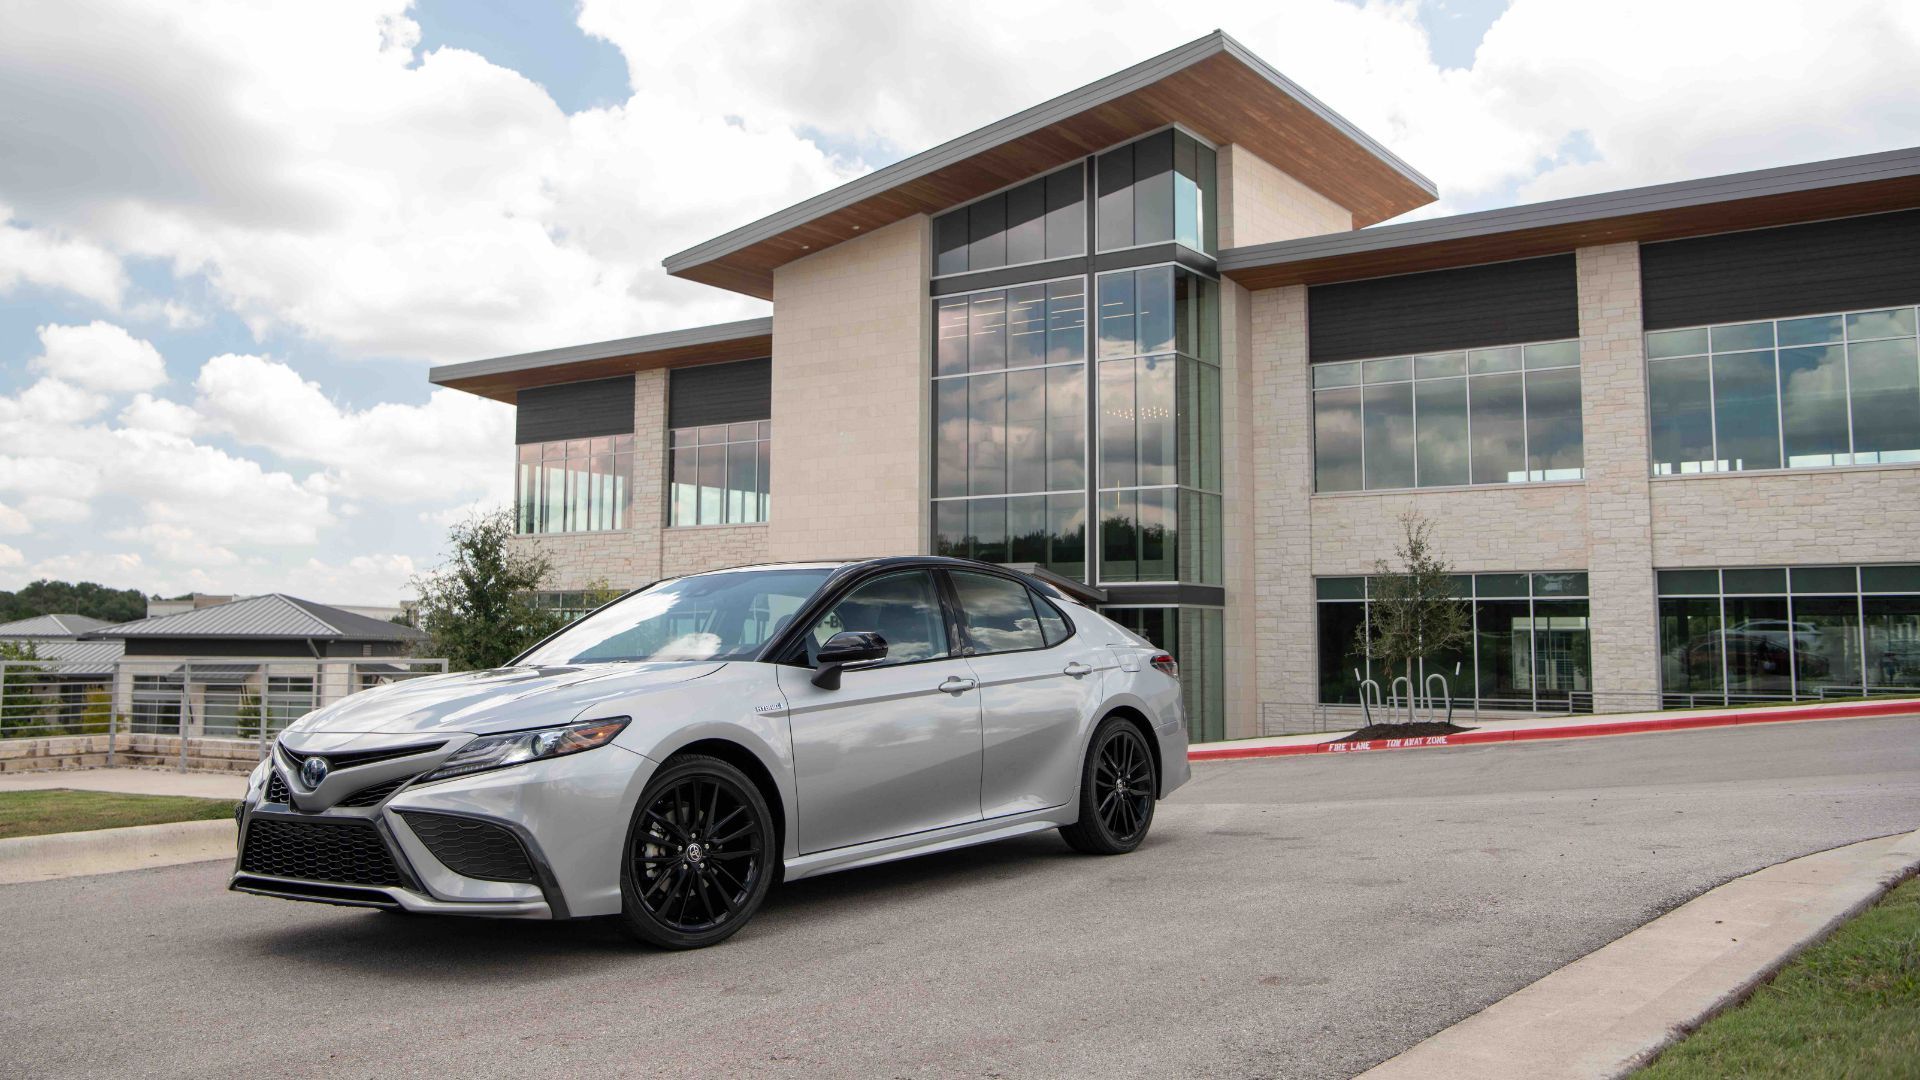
x=896 y=749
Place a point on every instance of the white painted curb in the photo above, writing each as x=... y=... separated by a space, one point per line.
x=107 y=851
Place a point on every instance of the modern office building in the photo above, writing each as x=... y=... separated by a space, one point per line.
x=1151 y=336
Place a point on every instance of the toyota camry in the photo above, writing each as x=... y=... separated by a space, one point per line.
x=670 y=757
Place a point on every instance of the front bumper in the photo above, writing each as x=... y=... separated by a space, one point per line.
x=569 y=816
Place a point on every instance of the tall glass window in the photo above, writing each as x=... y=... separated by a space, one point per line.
x=1800 y=393
x=719 y=474
x=1010 y=425
x=1788 y=633
x=1157 y=190
x=1159 y=426
x=1196 y=636
x=1044 y=218
x=576 y=485
x=1530 y=647
x=1509 y=415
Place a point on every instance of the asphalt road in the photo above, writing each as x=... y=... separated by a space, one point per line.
x=1292 y=917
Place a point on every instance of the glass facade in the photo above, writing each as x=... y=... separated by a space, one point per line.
x=576 y=485
x=1044 y=218
x=1159 y=426
x=1509 y=415
x=1788 y=633
x=719 y=474
x=1531 y=645
x=1010 y=425
x=1196 y=637
x=1157 y=190
x=1802 y=393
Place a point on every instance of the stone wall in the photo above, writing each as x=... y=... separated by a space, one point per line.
x=710 y=547
x=1259 y=204
x=1858 y=515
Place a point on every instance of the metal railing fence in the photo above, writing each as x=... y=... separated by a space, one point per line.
x=225 y=699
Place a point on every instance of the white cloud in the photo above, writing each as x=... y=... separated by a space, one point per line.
x=55 y=509
x=10 y=556
x=150 y=413
x=51 y=401
x=39 y=257
x=13 y=521
x=99 y=356
x=456 y=446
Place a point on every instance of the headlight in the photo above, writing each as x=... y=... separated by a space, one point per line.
x=520 y=747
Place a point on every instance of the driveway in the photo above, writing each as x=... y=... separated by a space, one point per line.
x=1293 y=917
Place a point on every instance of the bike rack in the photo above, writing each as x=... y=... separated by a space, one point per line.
x=1446 y=695
x=1369 y=689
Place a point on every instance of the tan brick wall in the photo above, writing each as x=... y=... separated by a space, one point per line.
x=710 y=547
x=1237 y=498
x=1280 y=428
x=1868 y=514
x=1259 y=204
x=1613 y=409
x=626 y=558
x=850 y=398
x=1479 y=530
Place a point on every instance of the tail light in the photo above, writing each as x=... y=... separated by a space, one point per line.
x=1165 y=662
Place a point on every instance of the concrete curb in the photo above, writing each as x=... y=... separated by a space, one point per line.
x=1776 y=715
x=107 y=851
x=1616 y=1008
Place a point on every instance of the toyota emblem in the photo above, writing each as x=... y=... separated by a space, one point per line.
x=314 y=770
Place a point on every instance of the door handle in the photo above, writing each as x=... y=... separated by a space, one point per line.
x=956 y=685
x=1077 y=669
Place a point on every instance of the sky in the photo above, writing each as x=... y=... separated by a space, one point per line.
x=235 y=235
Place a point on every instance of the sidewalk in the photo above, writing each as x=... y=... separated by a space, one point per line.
x=1552 y=727
x=205 y=785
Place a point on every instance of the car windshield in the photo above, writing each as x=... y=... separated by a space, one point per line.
x=723 y=616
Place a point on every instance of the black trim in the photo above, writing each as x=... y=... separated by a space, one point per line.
x=1154 y=255
x=311 y=892
x=1505 y=303
x=1156 y=593
x=1004 y=276
x=736 y=392
x=1846 y=264
x=576 y=410
x=543 y=870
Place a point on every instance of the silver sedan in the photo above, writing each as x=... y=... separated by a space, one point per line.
x=671 y=756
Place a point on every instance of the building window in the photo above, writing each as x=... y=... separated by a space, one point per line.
x=1010 y=425
x=1044 y=218
x=575 y=485
x=571 y=604
x=1196 y=637
x=1157 y=190
x=1789 y=393
x=719 y=474
x=1159 y=426
x=1509 y=415
x=1777 y=634
x=1530 y=647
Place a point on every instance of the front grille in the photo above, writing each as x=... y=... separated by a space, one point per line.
x=347 y=759
x=277 y=788
x=349 y=852
x=475 y=849
x=375 y=795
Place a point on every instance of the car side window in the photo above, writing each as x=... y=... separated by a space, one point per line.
x=998 y=614
x=903 y=608
x=1052 y=623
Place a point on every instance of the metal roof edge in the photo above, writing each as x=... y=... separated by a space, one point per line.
x=1702 y=191
x=710 y=334
x=1078 y=100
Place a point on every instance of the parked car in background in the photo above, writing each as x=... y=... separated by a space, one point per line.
x=673 y=755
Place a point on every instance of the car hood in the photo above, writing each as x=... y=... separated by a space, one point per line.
x=500 y=699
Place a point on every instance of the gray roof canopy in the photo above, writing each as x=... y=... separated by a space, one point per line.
x=271 y=616
x=50 y=626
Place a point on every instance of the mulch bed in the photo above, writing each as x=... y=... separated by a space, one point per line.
x=1401 y=731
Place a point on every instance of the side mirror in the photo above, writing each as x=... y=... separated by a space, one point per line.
x=843 y=648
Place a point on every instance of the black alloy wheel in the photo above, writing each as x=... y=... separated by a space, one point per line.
x=699 y=854
x=1117 y=791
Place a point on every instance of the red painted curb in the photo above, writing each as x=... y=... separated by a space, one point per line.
x=1571 y=731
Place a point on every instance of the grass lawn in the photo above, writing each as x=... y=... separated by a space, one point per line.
x=35 y=813
x=1848 y=1007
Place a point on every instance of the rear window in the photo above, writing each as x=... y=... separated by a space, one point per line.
x=999 y=614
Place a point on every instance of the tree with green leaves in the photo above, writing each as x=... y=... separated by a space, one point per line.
x=1413 y=609
x=23 y=699
x=45 y=597
x=478 y=609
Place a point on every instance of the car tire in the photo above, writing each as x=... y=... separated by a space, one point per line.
x=699 y=857
x=1118 y=786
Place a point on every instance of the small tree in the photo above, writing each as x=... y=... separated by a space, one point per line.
x=1412 y=609
x=478 y=609
x=23 y=703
